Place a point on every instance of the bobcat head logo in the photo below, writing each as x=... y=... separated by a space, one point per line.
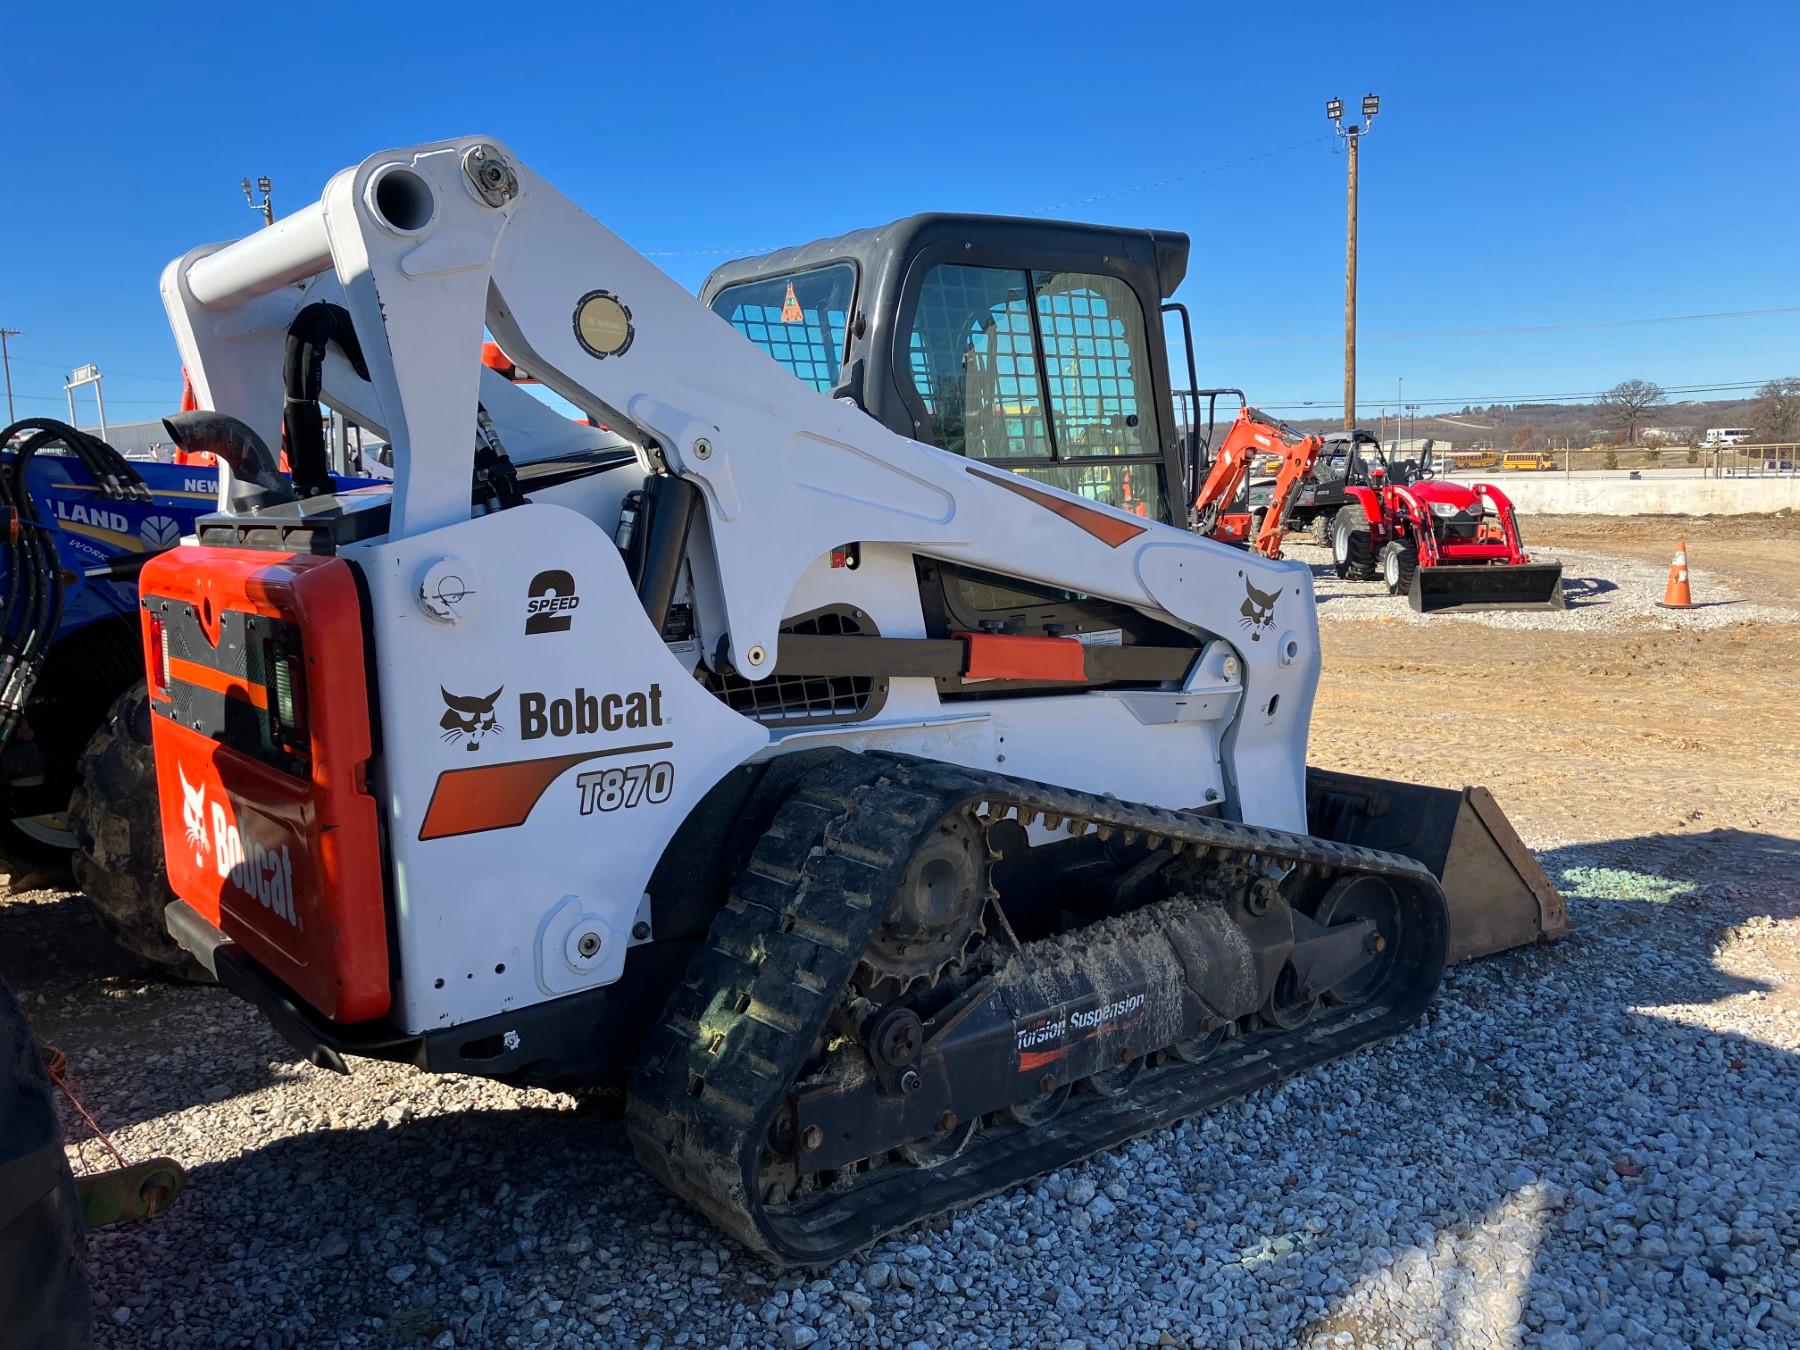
x=1258 y=610
x=193 y=813
x=469 y=717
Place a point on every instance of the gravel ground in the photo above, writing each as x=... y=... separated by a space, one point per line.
x=1596 y=1143
x=1602 y=592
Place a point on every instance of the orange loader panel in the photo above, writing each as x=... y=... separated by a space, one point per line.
x=260 y=720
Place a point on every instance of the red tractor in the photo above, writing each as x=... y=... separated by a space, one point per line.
x=1443 y=545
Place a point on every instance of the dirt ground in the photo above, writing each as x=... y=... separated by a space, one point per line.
x=1587 y=735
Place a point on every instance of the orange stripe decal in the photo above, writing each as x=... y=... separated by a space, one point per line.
x=502 y=796
x=1014 y=656
x=1105 y=527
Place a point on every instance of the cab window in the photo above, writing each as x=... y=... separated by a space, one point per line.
x=799 y=319
x=1045 y=372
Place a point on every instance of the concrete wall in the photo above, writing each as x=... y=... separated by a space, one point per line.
x=1551 y=494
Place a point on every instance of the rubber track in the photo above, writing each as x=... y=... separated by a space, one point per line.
x=746 y=1019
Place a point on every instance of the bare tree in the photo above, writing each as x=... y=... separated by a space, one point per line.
x=1631 y=404
x=1775 y=416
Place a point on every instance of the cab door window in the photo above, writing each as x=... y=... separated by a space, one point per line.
x=973 y=357
x=1044 y=372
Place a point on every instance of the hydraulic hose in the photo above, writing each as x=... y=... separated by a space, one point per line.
x=314 y=328
x=111 y=471
x=35 y=587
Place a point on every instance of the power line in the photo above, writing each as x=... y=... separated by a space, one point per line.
x=70 y=365
x=707 y=252
x=1500 y=331
x=1110 y=193
x=1489 y=400
x=135 y=402
x=1178 y=177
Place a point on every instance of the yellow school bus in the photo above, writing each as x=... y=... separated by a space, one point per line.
x=1456 y=460
x=1536 y=459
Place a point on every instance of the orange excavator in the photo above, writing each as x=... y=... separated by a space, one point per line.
x=1253 y=435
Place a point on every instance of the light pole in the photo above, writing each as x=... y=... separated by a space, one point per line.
x=1352 y=135
x=6 y=363
x=88 y=374
x=266 y=205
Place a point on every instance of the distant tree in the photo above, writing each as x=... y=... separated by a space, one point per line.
x=1775 y=415
x=1612 y=459
x=1652 y=456
x=1693 y=454
x=1522 y=437
x=1631 y=404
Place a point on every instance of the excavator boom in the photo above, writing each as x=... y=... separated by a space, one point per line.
x=1253 y=433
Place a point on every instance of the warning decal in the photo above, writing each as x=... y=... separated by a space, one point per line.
x=790 y=308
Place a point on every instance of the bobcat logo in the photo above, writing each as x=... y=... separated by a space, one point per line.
x=1258 y=610
x=470 y=717
x=193 y=813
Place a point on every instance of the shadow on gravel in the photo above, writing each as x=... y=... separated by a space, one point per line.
x=1581 y=592
x=1649 y=1176
x=1541 y=1154
x=94 y=1001
x=1751 y=869
x=52 y=942
x=395 y=1234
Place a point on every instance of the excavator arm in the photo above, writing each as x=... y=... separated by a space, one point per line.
x=1297 y=460
x=1253 y=432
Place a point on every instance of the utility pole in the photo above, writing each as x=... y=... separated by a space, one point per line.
x=1352 y=134
x=266 y=205
x=6 y=362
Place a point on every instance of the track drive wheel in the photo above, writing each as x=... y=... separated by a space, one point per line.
x=118 y=860
x=938 y=913
x=1398 y=564
x=1352 y=552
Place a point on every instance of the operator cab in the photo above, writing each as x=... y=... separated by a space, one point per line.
x=1017 y=341
x=1357 y=457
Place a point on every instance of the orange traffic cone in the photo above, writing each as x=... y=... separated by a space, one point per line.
x=1677 y=595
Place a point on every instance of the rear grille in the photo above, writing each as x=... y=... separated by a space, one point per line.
x=794 y=700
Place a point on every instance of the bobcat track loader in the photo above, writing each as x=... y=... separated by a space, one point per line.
x=892 y=826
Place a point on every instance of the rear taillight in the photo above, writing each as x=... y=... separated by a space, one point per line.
x=159 y=658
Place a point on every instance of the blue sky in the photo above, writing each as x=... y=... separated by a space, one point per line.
x=1532 y=165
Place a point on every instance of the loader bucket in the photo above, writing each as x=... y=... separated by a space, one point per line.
x=1499 y=897
x=1487 y=586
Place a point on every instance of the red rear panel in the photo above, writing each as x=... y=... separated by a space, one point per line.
x=261 y=722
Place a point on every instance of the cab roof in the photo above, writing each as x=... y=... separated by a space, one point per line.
x=1164 y=253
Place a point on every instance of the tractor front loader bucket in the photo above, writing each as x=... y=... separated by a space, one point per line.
x=1487 y=586
x=1499 y=896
